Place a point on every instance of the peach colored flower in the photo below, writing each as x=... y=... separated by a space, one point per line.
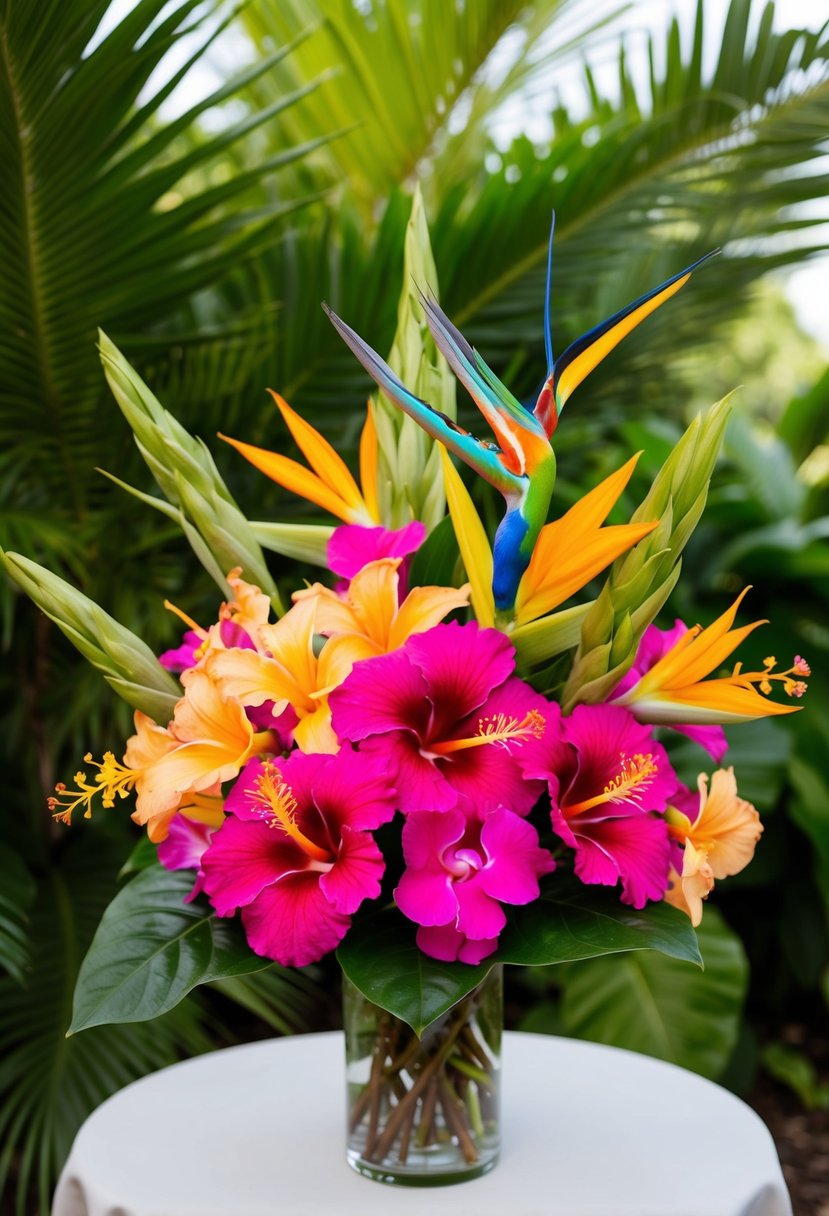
x=371 y=609
x=718 y=843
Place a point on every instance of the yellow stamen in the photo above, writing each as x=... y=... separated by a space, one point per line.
x=281 y=807
x=188 y=620
x=497 y=729
x=111 y=780
x=763 y=679
x=629 y=784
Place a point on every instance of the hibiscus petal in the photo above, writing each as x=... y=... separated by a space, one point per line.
x=634 y=849
x=603 y=736
x=383 y=694
x=478 y=915
x=293 y=922
x=419 y=784
x=356 y=873
x=515 y=859
x=245 y=858
x=712 y=738
x=461 y=664
x=352 y=546
x=185 y=843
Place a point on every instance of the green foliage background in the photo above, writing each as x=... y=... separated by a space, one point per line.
x=203 y=244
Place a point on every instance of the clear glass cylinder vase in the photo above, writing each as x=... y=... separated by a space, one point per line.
x=424 y=1111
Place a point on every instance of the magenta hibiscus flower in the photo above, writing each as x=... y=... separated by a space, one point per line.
x=296 y=853
x=610 y=783
x=353 y=546
x=461 y=866
x=446 y=717
x=654 y=646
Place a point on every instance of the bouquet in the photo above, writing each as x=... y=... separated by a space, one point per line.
x=443 y=755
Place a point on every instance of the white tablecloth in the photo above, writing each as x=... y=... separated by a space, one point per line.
x=259 y=1131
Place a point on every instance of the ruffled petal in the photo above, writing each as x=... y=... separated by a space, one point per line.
x=245 y=858
x=293 y=923
x=356 y=873
x=479 y=916
x=447 y=944
x=634 y=850
x=515 y=861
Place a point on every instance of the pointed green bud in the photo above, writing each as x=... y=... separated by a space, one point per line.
x=409 y=480
x=181 y=464
x=125 y=662
x=639 y=582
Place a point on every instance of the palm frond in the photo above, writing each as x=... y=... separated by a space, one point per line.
x=17 y=893
x=48 y=1084
x=110 y=216
x=411 y=79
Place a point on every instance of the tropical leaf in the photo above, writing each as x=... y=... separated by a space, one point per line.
x=657 y=1005
x=380 y=956
x=48 y=1085
x=151 y=949
x=414 y=79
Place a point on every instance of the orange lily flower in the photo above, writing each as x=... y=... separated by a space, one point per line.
x=719 y=842
x=211 y=741
x=176 y=768
x=330 y=485
x=250 y=609
x=292 y=673
x=575 y=548
x=675 y=688
x=371 y=608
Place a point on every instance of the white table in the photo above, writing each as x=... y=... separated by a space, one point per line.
x=259 y=1131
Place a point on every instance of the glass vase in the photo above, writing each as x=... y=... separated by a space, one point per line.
x=424 y=1111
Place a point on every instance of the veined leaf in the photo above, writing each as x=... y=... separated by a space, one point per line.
x=568 y=922
x=151 y=949
x=660 y=1006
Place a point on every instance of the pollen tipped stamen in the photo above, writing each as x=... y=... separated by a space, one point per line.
x=633 y=779
x=500 y=728
x=112 y=780
x=793 y=684
x=279 y=807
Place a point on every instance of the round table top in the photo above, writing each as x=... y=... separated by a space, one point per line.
x=259 y=1130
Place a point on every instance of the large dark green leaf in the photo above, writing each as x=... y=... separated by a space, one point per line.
x=571 y=921
x=661 y=1006
x=151 y=949
x=568 y=922
x=380 y=957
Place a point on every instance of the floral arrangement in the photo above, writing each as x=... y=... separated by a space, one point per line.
x=406 y=762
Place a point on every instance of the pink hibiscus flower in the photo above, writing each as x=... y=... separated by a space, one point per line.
x=353 y=546
x=296 y=853
x=654 y=646
x=446 y=717
x=609 y=783
x=461 y=866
